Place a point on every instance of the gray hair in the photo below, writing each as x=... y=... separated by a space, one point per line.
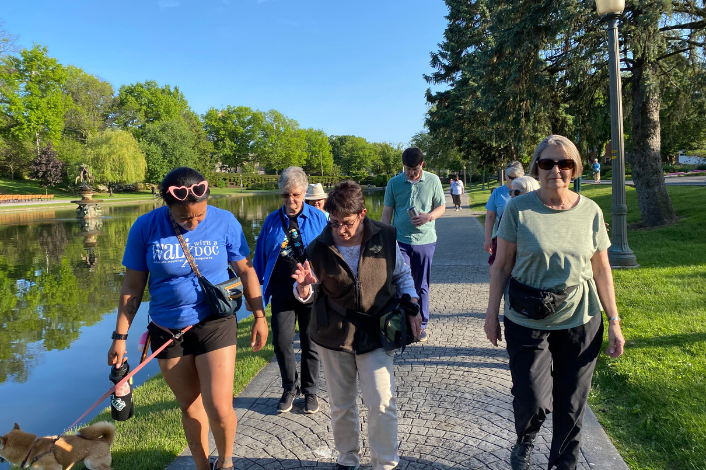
x=293 y=176
x=569 y=149
x=515 y=167
x=526 y=184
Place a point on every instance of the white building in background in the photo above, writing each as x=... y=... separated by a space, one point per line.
x=684 y=159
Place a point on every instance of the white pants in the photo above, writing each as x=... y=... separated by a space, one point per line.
x=377 y=384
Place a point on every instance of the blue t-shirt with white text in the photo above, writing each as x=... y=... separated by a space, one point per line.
x=176 y=299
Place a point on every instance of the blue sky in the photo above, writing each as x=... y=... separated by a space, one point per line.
x=347 y=67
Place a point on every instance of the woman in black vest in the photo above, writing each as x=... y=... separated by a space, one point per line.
x=357 y=265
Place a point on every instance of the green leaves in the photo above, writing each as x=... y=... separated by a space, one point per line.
x=114 y=156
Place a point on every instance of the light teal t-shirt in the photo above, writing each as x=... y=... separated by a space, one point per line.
x=554 y=251
x=426 y=195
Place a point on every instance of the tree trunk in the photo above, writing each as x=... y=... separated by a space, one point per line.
x=645 y=159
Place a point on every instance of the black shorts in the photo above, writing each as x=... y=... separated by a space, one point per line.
x=457 y=199
x=210 y=334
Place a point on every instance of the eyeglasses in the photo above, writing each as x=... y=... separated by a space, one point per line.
x=182 y=192
x=337 y=225
x=510 y=177
x=515 y=192
x=548 y=164
x=288 y=195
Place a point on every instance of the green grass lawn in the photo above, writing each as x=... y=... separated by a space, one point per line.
x=652 y=400
x=154 y=437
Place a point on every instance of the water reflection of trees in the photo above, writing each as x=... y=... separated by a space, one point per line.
x=47 y=294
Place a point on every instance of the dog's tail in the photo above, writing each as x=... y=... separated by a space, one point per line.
x=102 y=430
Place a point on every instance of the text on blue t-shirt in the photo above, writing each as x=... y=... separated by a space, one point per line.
x=176 y=299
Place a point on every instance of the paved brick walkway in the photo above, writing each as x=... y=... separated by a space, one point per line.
x=455 y=407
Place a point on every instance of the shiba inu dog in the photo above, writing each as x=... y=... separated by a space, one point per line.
x=90 y=445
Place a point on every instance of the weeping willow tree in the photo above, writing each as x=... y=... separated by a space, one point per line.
x=115 y=157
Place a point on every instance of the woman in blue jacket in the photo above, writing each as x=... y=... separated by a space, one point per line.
x=280 y=246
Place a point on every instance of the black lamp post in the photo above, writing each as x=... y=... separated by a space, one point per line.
x=619 y=254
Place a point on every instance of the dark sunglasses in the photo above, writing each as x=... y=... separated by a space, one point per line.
x=511 y=178
x=515 y=192
x=182 y=192
x=548 y=164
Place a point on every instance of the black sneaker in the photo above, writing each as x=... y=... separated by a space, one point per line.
x=311 y=405
x=285 y=403
x=521 y=453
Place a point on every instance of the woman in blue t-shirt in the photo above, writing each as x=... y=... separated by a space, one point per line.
x=496 y=205
x=200 y=367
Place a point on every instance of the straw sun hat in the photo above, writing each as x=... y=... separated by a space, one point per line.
x=315 y=192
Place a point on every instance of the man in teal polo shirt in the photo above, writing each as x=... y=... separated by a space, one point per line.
x=416 y=236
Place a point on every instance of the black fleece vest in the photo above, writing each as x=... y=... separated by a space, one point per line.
x=369 y=293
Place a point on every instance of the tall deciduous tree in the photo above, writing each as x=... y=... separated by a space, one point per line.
x=319 y=158
x=32 y=98
x=355 y=157
x=114 y=156
x=92 y=104
x=168 y=145
x=284 y=142
x=142 y=104
x=236 y=133
x=388 y=158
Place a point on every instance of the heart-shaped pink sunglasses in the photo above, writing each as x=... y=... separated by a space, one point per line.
x=182 y=192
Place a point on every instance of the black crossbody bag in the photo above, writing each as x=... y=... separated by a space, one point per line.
x=225 y=298
x=533 y=303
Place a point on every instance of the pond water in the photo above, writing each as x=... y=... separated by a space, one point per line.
x=59 y=283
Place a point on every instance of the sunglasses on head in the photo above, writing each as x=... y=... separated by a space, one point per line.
x=182 y=192
x=515 y=192
x=548 y=164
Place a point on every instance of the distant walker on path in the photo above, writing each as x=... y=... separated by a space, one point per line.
x=416 y=199
x=457 y=190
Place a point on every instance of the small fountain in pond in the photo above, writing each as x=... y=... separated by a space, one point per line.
x=88 y=208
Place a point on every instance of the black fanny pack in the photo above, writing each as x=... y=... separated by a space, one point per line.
x=535 y=304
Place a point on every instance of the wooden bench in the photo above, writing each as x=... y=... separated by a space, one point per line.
x=25 y=197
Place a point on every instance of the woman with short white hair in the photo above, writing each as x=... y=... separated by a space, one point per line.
x=523 y=185
x=280 y=246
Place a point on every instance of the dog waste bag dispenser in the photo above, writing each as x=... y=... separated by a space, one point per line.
x=121 y=407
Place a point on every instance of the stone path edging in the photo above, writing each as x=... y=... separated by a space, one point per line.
x=454 y=401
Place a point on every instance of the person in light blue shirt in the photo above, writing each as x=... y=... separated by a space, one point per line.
x=496 y=205
x=596 y=171
x=422 y=192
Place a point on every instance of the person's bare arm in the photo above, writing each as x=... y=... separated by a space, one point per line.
x=128 y=304
x=499 y=274
x=387 y=212
x=253 y=295
x=489 y=222
x=603 y=277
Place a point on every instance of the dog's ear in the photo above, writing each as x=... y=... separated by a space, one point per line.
x=2 y=442
x=17 y=426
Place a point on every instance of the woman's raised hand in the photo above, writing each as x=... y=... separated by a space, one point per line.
x=303 y=275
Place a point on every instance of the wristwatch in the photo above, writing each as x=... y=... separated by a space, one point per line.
x=117 y=335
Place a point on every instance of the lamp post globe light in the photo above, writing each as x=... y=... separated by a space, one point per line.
x=619 y=254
